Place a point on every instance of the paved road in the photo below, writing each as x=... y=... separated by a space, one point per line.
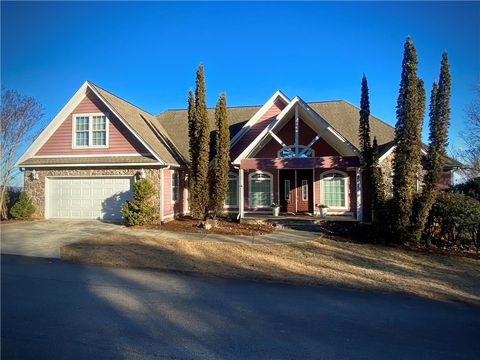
x=56 y=310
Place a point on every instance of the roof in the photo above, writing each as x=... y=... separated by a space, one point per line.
x=144 y=124
x=175 y=123
x=342 y=115
x=89 y=160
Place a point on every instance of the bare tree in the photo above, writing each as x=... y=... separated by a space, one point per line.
x=20 y=120
x=471 y=136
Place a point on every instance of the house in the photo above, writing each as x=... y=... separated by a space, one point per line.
x=288 y=151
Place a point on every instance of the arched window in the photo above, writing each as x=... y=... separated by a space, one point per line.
x=334 y=190
x=231 y=199
x=260 y=185
x=289 y=152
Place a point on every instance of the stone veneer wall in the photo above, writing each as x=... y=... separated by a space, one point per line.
x=36 y=188
x=387 y=167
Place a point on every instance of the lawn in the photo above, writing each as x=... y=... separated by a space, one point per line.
x=321 y=262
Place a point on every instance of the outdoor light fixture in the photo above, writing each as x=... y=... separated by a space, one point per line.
x=34 y=175
x=141 y=174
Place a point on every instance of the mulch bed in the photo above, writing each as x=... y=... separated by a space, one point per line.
x=226 y=226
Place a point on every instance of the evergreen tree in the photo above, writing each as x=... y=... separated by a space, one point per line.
x=220 y=167
x=406 y=163
x=370 y=154
x=193 y=149
x=438 y=137
x=201 y=189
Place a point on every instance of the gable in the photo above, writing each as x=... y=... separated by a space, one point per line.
x=121 y=140
x=287 y=135
x=252 y=133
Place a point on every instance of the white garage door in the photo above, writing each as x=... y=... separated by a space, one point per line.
x=87 y=197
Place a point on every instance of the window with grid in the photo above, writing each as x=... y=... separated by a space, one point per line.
x=175 y=186
x=260 y=190
x=287 y=189
x=90 y=130
x=81 y=131
x=333 y=187
x=99 y=130
x=232 y=192
x=304 y=190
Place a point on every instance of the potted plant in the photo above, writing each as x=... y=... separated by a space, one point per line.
x=276 y=209
x=322 y=210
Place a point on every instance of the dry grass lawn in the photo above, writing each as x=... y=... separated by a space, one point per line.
x=319 y=262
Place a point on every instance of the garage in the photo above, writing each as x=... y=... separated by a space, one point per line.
x=87 y=197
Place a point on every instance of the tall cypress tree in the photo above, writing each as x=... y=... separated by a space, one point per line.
x=370 y=153
x=438 y=137
x=220 y=168
x=406 y=163
x=193 y=149
x=203 y=142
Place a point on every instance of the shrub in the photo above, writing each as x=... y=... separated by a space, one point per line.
x=470 y=188
x=23 y=209
x=140 y=211
x=454 y=220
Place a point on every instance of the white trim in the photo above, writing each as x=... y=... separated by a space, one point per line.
x=280 y=141
x=285 y=189
x=162 y=196
x=292 y=146
x=87 y=155
x=346 y=187
x=55 y=123
x=92 y=165
x=125 y=123
x=241 y=187
x=386 y=154
x=90 y=131
x=296 y=192
x=304 y=183
x=172 y=173
x=278 y=95
x=313 y=141
x=225 y=205
x=358 y=184
x=296 y=130
x=313 y=189
x=250 y=189
x=254 y=144
x=67 y=109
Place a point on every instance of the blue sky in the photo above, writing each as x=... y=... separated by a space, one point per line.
x=148 y=52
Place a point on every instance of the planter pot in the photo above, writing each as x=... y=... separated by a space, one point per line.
x=276 y=211
x=323 y=212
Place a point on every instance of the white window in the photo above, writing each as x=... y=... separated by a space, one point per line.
x=304 y=190
x=289 y=152
x=175 y=185
x=231 y=199
x=287 y=189
x=90 y=130
x=260 y=190
x=334 y=190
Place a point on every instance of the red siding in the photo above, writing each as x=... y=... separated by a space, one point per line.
x=121 y=140
x=171 y=208
x=256 y=129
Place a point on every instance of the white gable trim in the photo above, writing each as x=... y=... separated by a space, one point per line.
x=64 y=113
x=269 y=129
x=126 y=124
x=392 y=149
x=278 y=95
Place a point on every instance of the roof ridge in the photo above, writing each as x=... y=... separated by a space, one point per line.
x=120 y=98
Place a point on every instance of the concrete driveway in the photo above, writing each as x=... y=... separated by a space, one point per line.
x=44 y=238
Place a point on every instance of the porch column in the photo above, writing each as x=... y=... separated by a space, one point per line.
x=358 y=176
x=241 y=188
x=162 y=191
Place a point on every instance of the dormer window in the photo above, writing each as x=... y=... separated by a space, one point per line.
x=90 y=130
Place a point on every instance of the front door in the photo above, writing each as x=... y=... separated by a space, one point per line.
x=287 y=191
x=305 y=190
x=296 y=191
